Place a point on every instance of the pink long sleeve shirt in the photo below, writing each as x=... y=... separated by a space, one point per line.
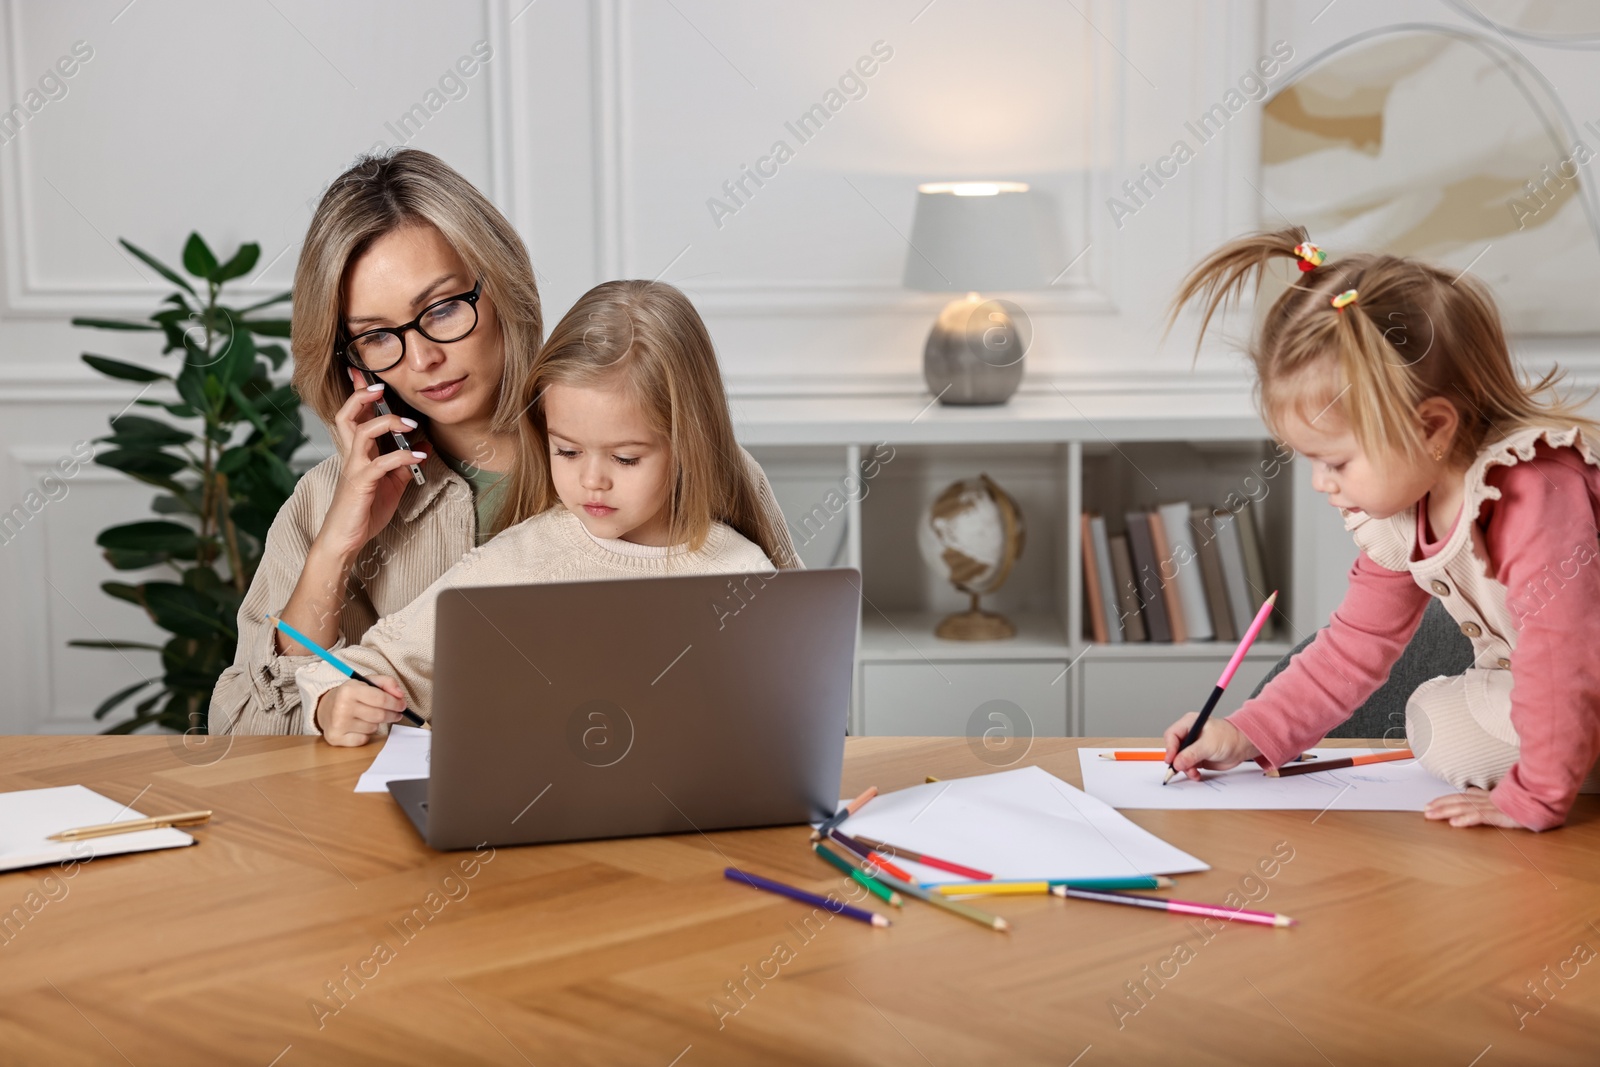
x=1541 y=541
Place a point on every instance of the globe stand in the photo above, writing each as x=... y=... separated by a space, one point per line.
x=975 y=624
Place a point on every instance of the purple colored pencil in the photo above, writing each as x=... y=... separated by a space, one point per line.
x=734 y=874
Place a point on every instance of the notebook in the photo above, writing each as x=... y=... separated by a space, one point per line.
x=29 y=816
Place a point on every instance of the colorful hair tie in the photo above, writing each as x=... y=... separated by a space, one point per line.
x=1310 y=256
x=1346 y=297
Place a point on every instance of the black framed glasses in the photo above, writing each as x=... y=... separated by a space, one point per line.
x=441 y=322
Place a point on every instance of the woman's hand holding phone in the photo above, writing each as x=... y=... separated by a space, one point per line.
x=371 y=481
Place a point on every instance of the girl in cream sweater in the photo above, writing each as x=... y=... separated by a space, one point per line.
x=629 y=469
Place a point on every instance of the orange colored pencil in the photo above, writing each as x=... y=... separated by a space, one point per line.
x=1344 y=762
x=877 y=858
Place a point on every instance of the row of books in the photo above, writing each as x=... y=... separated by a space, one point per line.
x=1173 y=574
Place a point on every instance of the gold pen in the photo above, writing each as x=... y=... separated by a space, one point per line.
x=151 y=822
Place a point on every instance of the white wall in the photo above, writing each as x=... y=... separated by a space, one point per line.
x=602 y=130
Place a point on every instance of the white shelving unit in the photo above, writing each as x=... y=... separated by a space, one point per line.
x=1057 y=456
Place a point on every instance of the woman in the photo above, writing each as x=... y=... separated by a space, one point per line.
x=414 y=289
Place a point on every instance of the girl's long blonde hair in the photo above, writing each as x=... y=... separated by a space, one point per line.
x=648 y=337
x=1413 y=332
x=375 y=196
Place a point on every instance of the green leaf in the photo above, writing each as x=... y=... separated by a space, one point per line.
x=172 y=504
x=137 y=721
x=268 y=302
x=170 y=539
x=161 y=268
x=235 y=460
x=133 y=560
x=192 y=386
x=276 y=353
x=246 y=408
x=198 y=259
x=241 y=263
x=135 y=429
x=120 y=695
x=115 y=324
x=129 y=372
x=184 y=611
x=120 y=646
x=183 y=411
x=237 y=358
x=267 y=327
x=143 y=463
x=133 y=594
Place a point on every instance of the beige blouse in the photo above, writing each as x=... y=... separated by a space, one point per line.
x=434 y=526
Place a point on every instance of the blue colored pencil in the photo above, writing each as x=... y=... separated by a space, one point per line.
x=734 y=874
x=339 y=665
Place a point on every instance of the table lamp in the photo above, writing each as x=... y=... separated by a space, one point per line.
x=966 y=237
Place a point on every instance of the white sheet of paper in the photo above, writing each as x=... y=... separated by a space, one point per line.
x=404 y=755
x=1024 y=823
x=29 y=816
x=1399 y=786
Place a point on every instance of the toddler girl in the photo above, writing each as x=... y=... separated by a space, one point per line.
x=1459 y=481
x=628 y=469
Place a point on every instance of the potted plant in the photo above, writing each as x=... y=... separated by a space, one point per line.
x=223 y=471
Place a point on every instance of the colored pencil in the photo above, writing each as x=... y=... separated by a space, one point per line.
x=1186 y=907
x=1222 y=683
x=1154 y=754
x=340 y=665
x=931 y=778
x=1342 y=762
x=844 y=813
x=966 y=911
x=1047 y=885
x=872 y=885
x=733 y=874
x=128 y=826
x=878 y=859
x=900 y=852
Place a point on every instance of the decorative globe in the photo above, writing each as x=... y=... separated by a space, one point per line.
x=973 y=535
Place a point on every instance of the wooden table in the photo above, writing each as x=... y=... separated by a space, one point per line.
x=1416 y=940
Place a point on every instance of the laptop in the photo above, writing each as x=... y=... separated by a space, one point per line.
x=580 y=710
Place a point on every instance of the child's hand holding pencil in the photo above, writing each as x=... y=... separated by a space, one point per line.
x=349 y=715
x=1219 y=747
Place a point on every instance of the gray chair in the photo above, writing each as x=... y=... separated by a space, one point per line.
x=1438 y=647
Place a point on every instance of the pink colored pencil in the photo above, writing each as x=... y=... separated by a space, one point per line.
x=1222 y=683
x=1186 y=907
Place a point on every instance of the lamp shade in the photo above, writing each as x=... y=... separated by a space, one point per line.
x=968 y=236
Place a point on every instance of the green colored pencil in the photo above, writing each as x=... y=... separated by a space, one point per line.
x=873 y=886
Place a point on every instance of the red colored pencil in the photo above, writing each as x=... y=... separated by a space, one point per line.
x=926 y=860
x=874 y=857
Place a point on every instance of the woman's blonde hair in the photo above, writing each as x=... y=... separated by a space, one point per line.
x=1413 y=332
x=380 y=194
x=647 y=338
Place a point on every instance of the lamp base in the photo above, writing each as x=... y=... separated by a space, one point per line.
x=974 y=352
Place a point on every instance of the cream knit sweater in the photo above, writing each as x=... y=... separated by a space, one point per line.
x=550 y=547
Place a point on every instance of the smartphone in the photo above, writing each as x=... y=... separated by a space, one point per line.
x=397 y=439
